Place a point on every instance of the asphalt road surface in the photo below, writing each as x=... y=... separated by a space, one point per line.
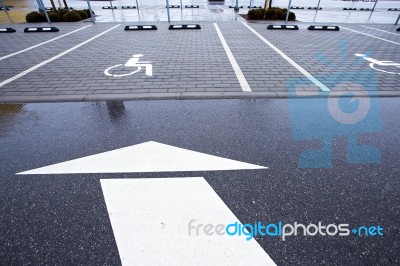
x=62 y=218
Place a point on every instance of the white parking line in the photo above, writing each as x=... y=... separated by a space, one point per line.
x=43 y=43
x=380 y=30
x=23 y=73
x=293 y=63
x=239 y=74
x=369 y=35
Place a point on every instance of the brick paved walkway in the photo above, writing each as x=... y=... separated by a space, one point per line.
x=192 y=63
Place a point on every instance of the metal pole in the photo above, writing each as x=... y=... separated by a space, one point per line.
x=288 y=11
x=397 y=21
x=181 y=5
x=237 y=3
x=137 y=8
x=372 y=11
x=250 y=4
x=91 y=12
x=169 y=18
x=111 y=5
x=316 y=11
x=5 y=10
x=319 y=1
x=374 y=6
x=41 y=6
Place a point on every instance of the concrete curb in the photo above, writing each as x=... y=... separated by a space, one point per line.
x=186 y=96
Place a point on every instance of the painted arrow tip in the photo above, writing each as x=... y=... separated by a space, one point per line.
x=145 y=157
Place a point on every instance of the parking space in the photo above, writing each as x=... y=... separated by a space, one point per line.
x=263 y=68
x=18 y=63
x=386 y=32
x=328 y=53
x=19 y=40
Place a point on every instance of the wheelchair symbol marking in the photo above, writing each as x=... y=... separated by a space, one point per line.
x=132 y=63
x=375 y=64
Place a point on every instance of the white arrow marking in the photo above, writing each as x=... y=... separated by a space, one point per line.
x=150 y=220
x=145 y=157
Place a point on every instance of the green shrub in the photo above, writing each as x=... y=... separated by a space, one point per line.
x=252 y=14
x=270 y=13
x=71 y=16
x=62 y=11
x=83 y=14
x=279 y=14
x=262 y=12
x=54 y=17
x=88 y=12
x=255 y=14
x=35 y=17
x=292 y=16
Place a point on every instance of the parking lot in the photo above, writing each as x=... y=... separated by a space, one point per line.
x=220 y=59
x=243 y=126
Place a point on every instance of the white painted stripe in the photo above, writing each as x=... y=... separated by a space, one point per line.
x=3 y=29
x=380 y=30
x=191 y=26
x=43 y=43
x=32 y=29
x=150 y=220
x=147 y=27
x=23 y=73
x=293 y=63
x=331 y=27
x=277 y=26
x=318 y=27
x=178 y=26
x=369 y=35
x=133 y=27
x=238 y=72
x=145 y=157
x=46 y=28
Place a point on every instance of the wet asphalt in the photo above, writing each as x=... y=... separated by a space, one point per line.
x=62 y=219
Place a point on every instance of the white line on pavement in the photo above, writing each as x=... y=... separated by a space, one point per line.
x=43 y=43
x=380 y=30
x=369 y=35
x=173 y=221
x=239 y=74
x=23 y=73
x=293 y=63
